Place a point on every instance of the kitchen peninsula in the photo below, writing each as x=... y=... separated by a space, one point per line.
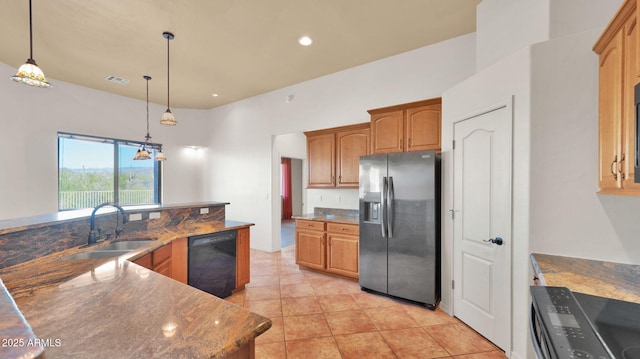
x=112 y=307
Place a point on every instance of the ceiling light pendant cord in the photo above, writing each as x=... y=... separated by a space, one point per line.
x=168 y=118
x=29 y=73
x=148 y=137
x=168 y=79
x=30 y=34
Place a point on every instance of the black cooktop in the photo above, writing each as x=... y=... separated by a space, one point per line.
x=617 y=322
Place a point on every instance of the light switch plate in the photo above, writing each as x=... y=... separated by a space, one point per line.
x=204 y=210
x=154 y=215
x=135 y=217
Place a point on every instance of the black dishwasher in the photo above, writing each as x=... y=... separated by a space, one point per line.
x=212 y=263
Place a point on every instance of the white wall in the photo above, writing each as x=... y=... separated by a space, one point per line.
x=567 y=216
x=240 y=167
x=573 y=16
x=504 y=81
x=506 y=26
x=31 y=118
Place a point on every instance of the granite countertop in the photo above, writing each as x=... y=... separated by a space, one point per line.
x=604 y=279
x=18 y=224
x=16 y=334
x=115 y=307
x=329 y=218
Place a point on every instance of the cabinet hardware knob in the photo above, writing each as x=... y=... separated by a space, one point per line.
x=620 y=167
x=614 y=163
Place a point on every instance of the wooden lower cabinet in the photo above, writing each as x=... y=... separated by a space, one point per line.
x=158 y=261
x=342 y=250
x=310 y=250
x=243 y=250
x=171 y=259
x=179 y=256
x=328 y=246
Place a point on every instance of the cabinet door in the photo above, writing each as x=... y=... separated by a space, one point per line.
x=610 y=113
x=310 y=249
x=631 y=77
x=243 y=251
x=179 y=260
x=145 y=261
x=321 y=155
x=350 y=146
x=164 y=268
x=342 y=254
x=423 y=128
x=387 y=131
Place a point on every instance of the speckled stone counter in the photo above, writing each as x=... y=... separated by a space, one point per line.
x=604 y=279
x=16 y=337
x=346 y=216
x=114 y=308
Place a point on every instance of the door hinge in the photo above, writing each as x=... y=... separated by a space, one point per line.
x=453 y=284
x=454 y=144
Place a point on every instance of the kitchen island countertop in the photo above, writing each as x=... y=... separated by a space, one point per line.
x=594 y=277
x=115 y=308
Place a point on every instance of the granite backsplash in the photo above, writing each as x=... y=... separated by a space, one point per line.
x=320 y=211
x=30 y=243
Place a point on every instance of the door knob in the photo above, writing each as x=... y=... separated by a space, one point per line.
x=496 y=240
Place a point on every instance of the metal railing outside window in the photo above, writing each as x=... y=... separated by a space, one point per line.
x=94 y=170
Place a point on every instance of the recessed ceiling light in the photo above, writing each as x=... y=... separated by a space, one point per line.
x=215 y=95
x=305 y=41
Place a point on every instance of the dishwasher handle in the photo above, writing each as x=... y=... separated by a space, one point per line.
x=208 y=239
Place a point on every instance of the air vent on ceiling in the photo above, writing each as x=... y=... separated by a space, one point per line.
x=116 y=79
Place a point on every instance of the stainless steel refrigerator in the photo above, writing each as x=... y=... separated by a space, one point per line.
x=400 y=225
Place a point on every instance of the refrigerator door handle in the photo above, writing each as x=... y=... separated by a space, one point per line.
x=383 y=205
x=390 y=203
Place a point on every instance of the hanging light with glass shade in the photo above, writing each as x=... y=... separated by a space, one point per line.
x=168 y=118
x=143 y=153
x=29 y=73
x=160 y=155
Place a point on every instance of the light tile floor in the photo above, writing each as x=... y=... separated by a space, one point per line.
x=320 y=316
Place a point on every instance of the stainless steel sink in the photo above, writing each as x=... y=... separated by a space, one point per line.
x=114 y=249
x=124 y=245
x=96 y=254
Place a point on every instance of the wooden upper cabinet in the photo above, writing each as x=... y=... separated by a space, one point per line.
x=350 y=146
x=333 y=155
x=619 y=72
x=321 y=156
x=387 y=131
x=409 y=127
x=423 y=128
x=631 y=78
x=610 y=105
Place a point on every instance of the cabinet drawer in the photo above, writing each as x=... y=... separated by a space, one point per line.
x=161 y=254
x=343 y=228
x=312 y=225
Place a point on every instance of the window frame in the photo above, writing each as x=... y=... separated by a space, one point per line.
x=116 y=142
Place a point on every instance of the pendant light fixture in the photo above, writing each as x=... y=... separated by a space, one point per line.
x=143 y=153
x=160 y=155
x=29 y=73
x=168 y=118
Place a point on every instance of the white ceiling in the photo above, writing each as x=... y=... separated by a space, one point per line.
x=236 y=48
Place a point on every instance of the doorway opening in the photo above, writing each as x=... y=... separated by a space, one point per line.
x=291 y=196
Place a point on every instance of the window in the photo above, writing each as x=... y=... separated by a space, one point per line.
x=94 y=170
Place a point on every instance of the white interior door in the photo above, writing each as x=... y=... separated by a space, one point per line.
x=482 y=223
